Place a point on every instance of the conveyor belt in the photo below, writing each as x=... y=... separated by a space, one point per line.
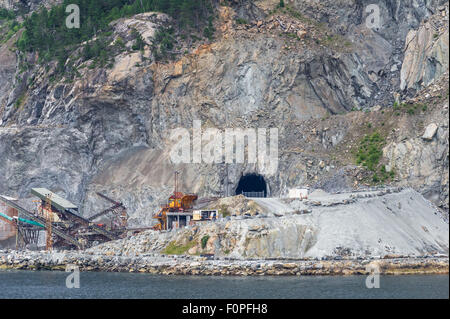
x=106 y=211
x=7 y=219
x=93 y=226
x=23 y=220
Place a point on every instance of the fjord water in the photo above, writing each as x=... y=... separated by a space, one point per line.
x=47 y=284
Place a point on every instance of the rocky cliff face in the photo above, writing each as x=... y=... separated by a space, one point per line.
x=426 y=53
x=109 y=129
x=419 y=152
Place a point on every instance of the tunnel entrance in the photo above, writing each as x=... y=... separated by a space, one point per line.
x=252 y=185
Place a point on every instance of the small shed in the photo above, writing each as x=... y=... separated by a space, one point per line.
x=298 y=193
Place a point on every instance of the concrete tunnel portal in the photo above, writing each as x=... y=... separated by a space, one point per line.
x=252 y=185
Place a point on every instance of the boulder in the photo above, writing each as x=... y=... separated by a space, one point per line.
x=430 y=132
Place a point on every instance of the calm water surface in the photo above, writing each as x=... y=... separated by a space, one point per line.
x=46 y=284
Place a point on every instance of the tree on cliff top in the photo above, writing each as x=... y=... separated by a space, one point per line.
x=46 y=32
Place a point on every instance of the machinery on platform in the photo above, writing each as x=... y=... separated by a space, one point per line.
x=177 y=212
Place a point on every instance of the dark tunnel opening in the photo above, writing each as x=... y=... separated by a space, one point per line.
x=252 y=185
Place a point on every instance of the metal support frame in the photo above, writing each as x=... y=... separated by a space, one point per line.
x=118 y=211
x=49 y=223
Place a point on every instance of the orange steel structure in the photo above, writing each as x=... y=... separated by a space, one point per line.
x=178 y=203
x=49 y=222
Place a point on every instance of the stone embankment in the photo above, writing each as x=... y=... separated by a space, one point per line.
x=196 y=265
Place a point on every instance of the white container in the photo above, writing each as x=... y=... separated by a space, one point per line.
x=298 y=193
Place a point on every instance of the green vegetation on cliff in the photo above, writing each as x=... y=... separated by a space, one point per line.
x=7 y=14
x=46 y=31
x=369 y=155
x=8 y=24
x=205 y=241
x=369 y=152
x=174 y=249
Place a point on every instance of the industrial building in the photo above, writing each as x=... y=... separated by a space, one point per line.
x=59 y=218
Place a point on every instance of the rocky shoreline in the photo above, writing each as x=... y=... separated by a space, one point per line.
x=196 y=265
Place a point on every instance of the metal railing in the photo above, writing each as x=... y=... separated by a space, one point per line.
x=254 y=194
